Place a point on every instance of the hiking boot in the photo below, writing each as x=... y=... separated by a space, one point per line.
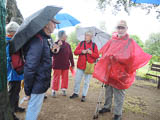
x=74 y=95
x=19 y=109
x=104 y=110
x=64 y=93
x=83 y=99
x=54 y=94
x=14 y=117
x=117 y=117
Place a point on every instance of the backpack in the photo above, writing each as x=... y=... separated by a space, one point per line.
x=93 y=45
x=17 y=60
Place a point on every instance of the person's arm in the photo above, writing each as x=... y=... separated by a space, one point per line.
x=71 y=57
x=32 y=63
x=95 y=52
x=78 y=50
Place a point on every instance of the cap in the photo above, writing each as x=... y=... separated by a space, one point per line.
x=56 y=21
x=122 y=23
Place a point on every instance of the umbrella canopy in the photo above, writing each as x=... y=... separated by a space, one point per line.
x=147 y=1
x=99 y=37
x=66 y=20
x=31 y=26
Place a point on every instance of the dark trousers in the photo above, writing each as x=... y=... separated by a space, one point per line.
x=14 y=88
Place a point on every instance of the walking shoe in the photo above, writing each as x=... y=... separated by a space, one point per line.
x=19 y=109
x=74 y=95
x=83 y=99
x=64 y=93
x=54 y=94
x=14 y=117
x=45 y=97
x=117 y=117
x=104 y=110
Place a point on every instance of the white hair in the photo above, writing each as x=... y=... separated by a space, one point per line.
x=89 y=33
x=12 y=27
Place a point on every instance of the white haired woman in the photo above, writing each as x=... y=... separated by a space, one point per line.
x=61 y=64
x=14 y=80
x=88 y=53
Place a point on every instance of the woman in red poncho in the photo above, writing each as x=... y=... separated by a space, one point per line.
x=121 y=57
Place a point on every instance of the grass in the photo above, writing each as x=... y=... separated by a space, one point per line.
x=144 y=70
x=135 y=104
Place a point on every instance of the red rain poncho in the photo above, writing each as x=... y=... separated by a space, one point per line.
x=121 y=57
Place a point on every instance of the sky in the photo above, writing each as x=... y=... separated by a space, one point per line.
x=88 y=14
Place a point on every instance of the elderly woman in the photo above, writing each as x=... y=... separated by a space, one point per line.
x=14 y=80
x=61 y=64
x=87 y=52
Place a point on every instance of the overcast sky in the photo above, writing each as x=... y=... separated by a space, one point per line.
x=87 y=13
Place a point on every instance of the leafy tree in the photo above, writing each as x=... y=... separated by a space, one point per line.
x=152 y=46
x=72 y=39
x=138 y=40
x=126 y=5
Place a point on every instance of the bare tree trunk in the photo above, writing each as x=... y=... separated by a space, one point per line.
x=5 y=110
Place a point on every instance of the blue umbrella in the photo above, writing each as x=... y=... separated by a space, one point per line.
x=66 y=20
x=147 y=1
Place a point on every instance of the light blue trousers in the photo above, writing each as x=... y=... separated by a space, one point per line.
x=79 y=75
x=34 y=106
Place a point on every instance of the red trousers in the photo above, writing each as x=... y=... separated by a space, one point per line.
x=63 y=74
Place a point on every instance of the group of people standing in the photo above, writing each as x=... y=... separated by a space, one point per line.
x=40 y=59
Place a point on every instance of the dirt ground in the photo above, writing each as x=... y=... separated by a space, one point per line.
x=142 y=103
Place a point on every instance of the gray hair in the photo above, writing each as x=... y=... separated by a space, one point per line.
x=89 y=33
x=12 y=27
x=61 y=33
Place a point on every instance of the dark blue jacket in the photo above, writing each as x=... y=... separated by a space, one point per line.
x=38 y=64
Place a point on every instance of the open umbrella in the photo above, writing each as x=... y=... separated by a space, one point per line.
x=147 y=1
x=99 y=37
x=31 y=26
x=66 y=20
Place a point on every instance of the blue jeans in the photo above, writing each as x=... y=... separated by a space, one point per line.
x=78 y=79
x=34 y=106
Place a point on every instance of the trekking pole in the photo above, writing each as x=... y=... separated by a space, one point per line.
x=100 y=95
x=98 y=103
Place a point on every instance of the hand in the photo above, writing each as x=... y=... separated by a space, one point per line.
x=27 y=98
x=84 y=51
x=60 y=43
x=89 y=51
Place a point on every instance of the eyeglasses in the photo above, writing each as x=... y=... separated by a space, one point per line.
x=120 y=27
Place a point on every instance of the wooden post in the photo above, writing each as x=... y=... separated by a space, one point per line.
x=158 y=86
x=5 y=110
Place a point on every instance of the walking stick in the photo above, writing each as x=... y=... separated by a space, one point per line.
x=96 y=114
x=98 y=103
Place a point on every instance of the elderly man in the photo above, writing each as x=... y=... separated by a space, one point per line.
x=87 y=52
x=37 y=69
x=121 y=56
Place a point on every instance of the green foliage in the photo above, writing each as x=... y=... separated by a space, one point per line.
x=73 y=41
x=152 y=46
x=138 y=40
x=119 y=5
x=53 y=36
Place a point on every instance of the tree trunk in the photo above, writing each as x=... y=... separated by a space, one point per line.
x=5 y=110
x=13 y=13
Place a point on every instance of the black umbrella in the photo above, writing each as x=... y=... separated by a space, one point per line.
x=31 y=26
